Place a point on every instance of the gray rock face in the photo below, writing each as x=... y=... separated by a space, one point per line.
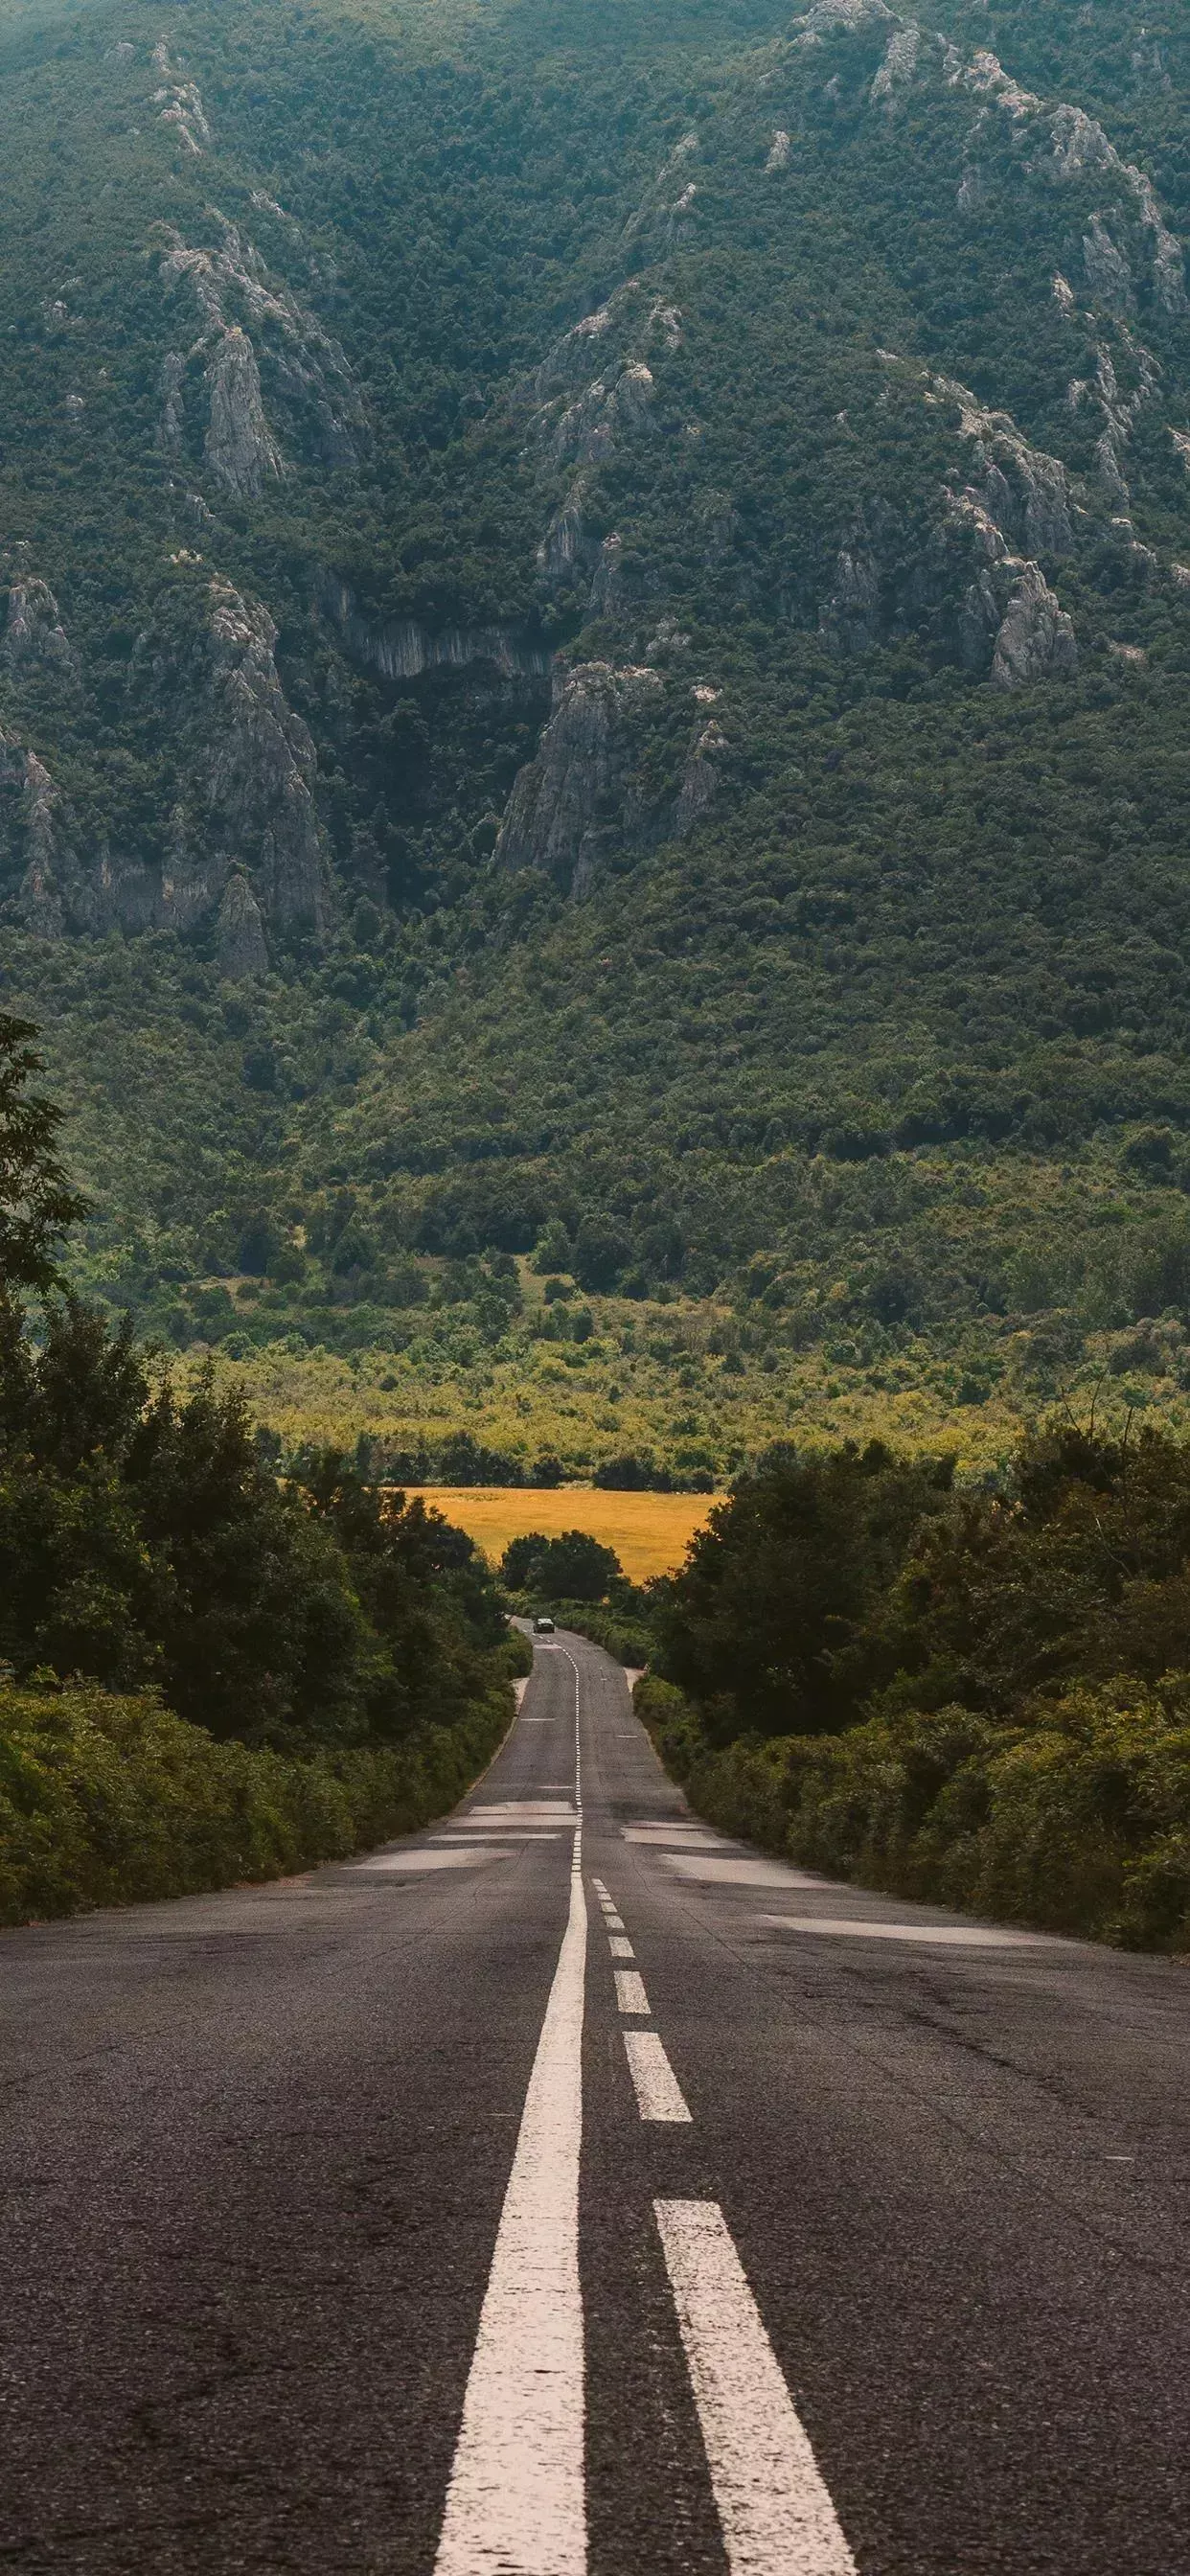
x=307 y=379
x=36 y=861
x=243 y=950
x=403 y=649
x=171 y=426
x=830 y=17
x=898 y=69
x=701 y=776
x=251 y=791
x=1036 y=640
x=179 y=105
x=849 y=620
x=575 y=801
x=240 y=451
x=34 y=636
x=1108 y=272
x=246 y=802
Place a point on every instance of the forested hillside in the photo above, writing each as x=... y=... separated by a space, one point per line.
x=598 y=616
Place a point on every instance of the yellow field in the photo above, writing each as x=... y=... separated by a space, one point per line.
x=649 y=1532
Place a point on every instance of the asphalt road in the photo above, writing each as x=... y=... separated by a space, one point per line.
x=873 y=2252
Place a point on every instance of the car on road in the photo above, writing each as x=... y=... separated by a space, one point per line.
x=543 y=1627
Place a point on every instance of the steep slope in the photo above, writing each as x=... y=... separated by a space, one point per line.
x=597 y=629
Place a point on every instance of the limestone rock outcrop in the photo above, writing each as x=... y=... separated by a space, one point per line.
x=179 y=104
x=242 y=947
x=239 y=448
x=576 y=801
x=37 y=861
x=264 y=353
x=401 y=648
x=849 y=620
x=828 y=17
x=34 y=636
x=249 y=797
x=1036 y=640
x=701 y=777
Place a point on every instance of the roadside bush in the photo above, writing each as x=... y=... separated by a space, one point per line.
x=1075 y=1819
x=109 y=1799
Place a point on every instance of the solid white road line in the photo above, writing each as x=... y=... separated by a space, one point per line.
x=658 y=2093
x=630 y=1991
x=776 y=2515
x=619 y=1947
x=516 y=2504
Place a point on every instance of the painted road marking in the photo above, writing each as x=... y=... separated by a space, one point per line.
x=614 y=1922
x=964 y=1936
x=776 y=2516
x=619 y=1947
x=702 y=1836
x=516 y=2503
x=465 y=1856
x=630 y=1991
x=658 y=2093
x=740 y=1873
x=522 y=1811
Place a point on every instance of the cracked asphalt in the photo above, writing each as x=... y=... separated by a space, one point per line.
x=254 y=2149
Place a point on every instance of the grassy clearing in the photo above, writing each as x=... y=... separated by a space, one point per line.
x=649 y=1532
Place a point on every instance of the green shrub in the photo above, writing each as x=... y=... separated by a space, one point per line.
x=110 y=1799
x=1076 y=1818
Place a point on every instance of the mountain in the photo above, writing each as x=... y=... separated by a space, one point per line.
x=598 y=616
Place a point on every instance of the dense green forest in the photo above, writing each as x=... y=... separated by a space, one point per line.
x=205 y=1672
x=979 y=1698
x=593 y=690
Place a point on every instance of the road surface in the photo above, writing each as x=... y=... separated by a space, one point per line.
x=568 y=2188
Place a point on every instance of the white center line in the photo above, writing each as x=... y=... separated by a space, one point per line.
x=658 y=2093
x=620 y=1947
x=776 y=2515
x=630 y=1991
x=516 y=2503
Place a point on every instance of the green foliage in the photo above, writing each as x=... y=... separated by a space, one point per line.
x=144 y=1537
x=1005 y=1677
x=37 y=1202
x=622 y=1635
x=572 y=1567
x=108 y=1799
x=1077 y=1822
x=899 y=1014
x=767 y=1625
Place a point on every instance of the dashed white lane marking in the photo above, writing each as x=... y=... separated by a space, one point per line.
x=959 y=1936
x=739 y=1873
x=630 y=1991
x=600 y=1889
x=614 y=1922
x=776 y=2515
x=516 y=2504
x=658 y=2093
x=619 y=1947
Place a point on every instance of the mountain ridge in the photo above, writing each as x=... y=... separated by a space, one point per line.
x=641 y=628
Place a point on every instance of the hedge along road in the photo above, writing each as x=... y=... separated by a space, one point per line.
x=568 y=2188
